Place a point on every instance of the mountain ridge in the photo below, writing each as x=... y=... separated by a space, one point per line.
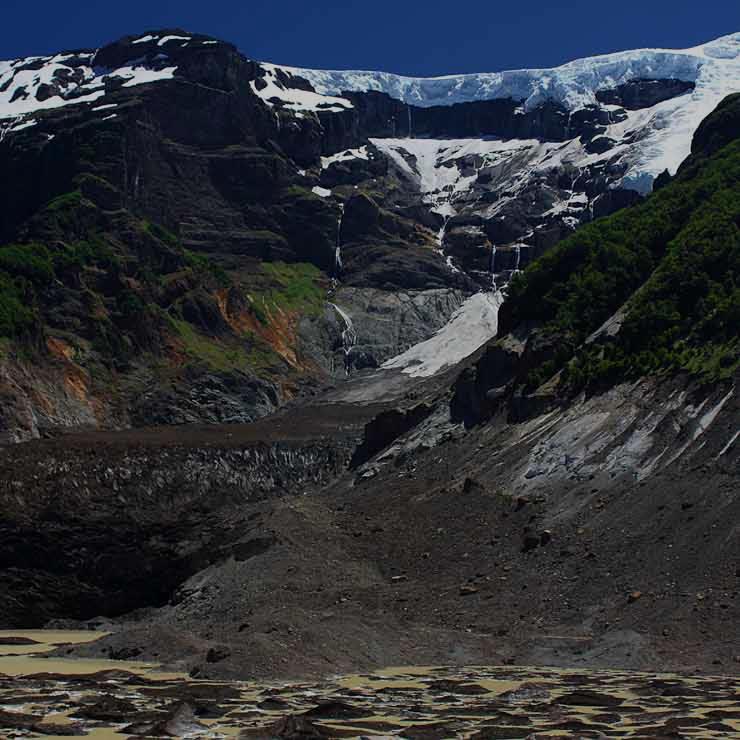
x=173 y=225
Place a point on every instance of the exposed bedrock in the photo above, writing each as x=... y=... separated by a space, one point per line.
x=376 y=114
x=638 y=94
x=385 y=324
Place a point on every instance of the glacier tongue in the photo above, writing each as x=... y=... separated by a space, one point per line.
x=471 y=326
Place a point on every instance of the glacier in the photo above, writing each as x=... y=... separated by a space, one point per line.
x=660 y=136
x=573 y=84
x=654 y=139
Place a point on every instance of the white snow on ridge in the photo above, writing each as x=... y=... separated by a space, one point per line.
x=573 y=84
x=471 y=326
x=664 y=131
x=167 y=39
x=73 y=85
x=142 y=75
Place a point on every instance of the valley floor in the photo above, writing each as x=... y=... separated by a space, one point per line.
x=273 y=551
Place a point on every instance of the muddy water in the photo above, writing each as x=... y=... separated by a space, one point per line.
x=53 y=697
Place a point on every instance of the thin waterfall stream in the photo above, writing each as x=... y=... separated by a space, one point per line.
x=349 y=337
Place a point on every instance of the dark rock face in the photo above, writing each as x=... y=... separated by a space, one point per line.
x=385 y=429
x=612 y=200
x=719 y=129
x=638 y=94
x=482 y=388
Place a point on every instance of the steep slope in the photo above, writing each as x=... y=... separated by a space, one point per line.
x=164 y=258
x=653 y=288
x=188 y=235
x=527 y=155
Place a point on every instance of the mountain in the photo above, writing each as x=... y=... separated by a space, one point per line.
x=191 y=236
x=550 y=478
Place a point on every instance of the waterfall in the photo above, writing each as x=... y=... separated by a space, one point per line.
x=338 y=245
x=349 y=337
x=492 y=267
x=518 y=249
x=411 y=135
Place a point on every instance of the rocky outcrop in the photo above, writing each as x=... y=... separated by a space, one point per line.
x=385 y=429
x=638 y=94
x=385 y=324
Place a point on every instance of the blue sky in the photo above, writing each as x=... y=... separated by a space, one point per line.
x=404 y=36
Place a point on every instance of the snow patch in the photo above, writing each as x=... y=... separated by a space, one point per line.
x=732 y=441
x=445 y=169
x=294 y=98
x=471 y=326
x=166 y=39
x=344 y=156
x=143 y=75
x=321 y=192
x=73 y=78
x=21 y=126
x=666 y=129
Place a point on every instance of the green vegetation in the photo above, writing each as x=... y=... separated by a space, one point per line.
x=674 y=257
x=31 y=261
x=220 y=355
x=76 y=255
x=295 y=287
x=64 y=202
x=201 y=264
x=296 y=192
x=16 y=318
x=159 y=232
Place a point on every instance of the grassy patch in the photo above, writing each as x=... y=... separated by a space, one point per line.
x=160 y=232
x=200 y=263
x=220 y=355
x=64 y=202
x=31 y=261
x=296 y=287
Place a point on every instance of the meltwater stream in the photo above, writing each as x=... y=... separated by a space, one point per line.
x=349 y=337
x=492 y=267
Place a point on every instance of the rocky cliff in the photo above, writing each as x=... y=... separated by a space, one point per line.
x=189 y=235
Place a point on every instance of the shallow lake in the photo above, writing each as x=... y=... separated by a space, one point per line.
x=48 y=696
